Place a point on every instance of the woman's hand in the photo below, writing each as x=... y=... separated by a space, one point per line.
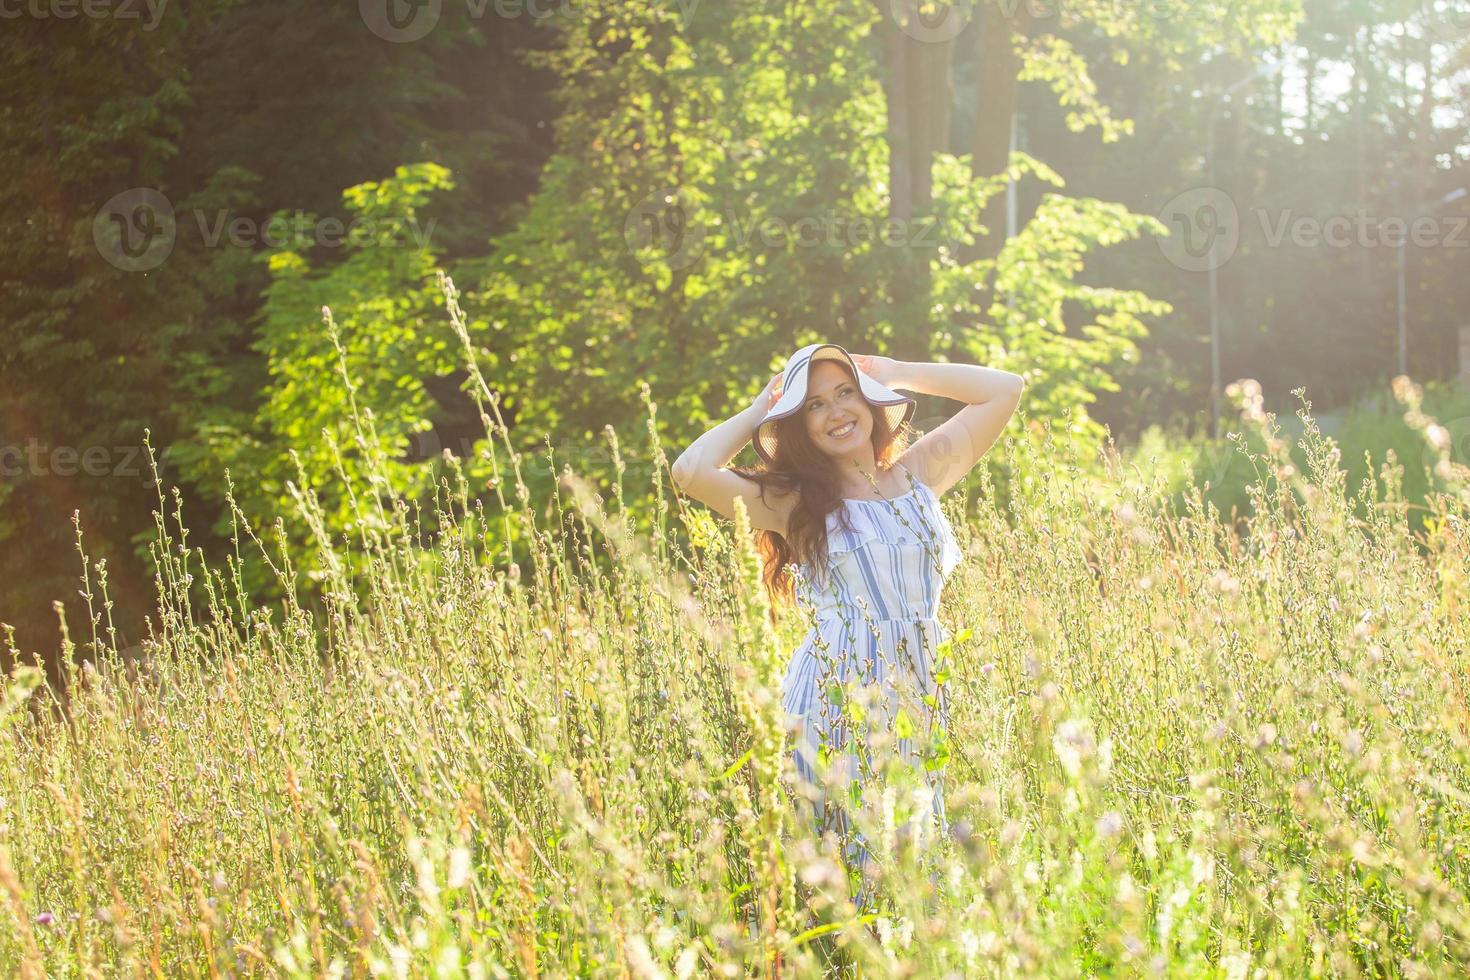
x=884 y=370
x=768 y=397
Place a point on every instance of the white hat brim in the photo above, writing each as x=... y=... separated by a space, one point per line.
x=898 y=408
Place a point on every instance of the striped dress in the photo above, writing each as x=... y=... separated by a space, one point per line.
x=875 y=606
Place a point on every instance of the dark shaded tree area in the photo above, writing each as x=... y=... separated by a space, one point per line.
x=232 y=112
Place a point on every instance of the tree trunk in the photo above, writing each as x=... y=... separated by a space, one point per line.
x=1280 y=89
x=1360 y=126
x=916 y=86
x=996 y=85
x=1424 y=131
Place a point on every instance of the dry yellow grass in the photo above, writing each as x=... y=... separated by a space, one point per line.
x=1174 y=751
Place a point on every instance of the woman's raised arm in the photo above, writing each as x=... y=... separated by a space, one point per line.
x=700 y=469
x=946 y=453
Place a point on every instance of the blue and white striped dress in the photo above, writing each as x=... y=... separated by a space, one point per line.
x=875 y=626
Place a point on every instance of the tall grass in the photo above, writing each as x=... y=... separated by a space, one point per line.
x=1372 y=428
x=1174 y=749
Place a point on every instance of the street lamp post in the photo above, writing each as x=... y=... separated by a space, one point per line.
x=1214 y=297
x=1403 y=303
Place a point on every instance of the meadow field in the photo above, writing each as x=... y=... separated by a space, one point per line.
x=352 y=624
x=1177 y=748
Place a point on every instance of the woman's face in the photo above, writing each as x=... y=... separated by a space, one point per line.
x=838 y=421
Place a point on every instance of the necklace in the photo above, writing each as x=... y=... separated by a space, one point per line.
x=879 y=500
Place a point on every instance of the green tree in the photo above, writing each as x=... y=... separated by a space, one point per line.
x=385 y=336
x=706 y=208
x=220 y=112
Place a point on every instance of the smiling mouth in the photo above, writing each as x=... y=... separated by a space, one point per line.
x=842 y=430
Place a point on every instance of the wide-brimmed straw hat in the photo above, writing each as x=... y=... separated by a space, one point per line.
x=791 y=395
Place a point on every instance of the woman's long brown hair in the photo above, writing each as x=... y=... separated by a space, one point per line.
x=799 y=465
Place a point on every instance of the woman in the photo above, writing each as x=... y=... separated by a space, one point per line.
x=853 y=530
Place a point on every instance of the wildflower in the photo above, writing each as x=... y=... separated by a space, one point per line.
x=1439 y=436
x=1252 y=405
x=1110 y=824
x=459 y=867
x=1072 y=743
x=822 y=872
x=1223 y=581
x=45 y=919
x=1265 y=735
